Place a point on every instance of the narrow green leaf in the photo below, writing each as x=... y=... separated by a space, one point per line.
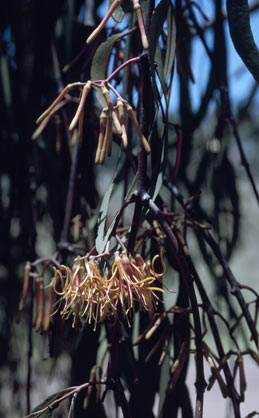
x=48 y=401
x=160 y=70
x=6 y=84
x=157 y=23
x=100 y=62
x=103 y=239
x=143 y=5
x=171 y=42
x=119 y=13
x=132 y=186
x=100 y=239
x=158 y=185
x=164 y=376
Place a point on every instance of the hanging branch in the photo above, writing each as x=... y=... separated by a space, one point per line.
x=209 y=309
x=235 y=288
x=242 y=36
x=244 y=161
x=147 y=99
x=179 y=258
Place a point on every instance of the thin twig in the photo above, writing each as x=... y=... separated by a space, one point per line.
x=71 y=391
x=235 y=289
x=244 y=161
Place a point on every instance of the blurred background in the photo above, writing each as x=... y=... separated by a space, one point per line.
x=39 y=38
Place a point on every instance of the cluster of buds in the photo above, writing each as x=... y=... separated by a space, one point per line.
x=91 y=293
x=111 y=117
x=42 y=311
x=114 y=6
x=115 y=116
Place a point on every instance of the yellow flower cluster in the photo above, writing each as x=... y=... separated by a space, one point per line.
x=90 y=293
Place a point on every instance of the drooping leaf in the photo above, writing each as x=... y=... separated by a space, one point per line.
x=157 y=23
x=132 y=186
x=119 y=13
x=102 y=237
x=143 y=5
x=161 y=69
x=164 y=376
x=158 y=185
x=48 y=401
x=157 y=179
x=100 y=62
x=5 y=76
x=171 y=42
x=252 y=414
x=100 y=241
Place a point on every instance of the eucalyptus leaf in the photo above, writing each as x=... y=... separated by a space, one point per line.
x=158 y=185
x=132 y=186
x=160 y=70
x=164 y=377
x=119 y=13
x=157 y=23
x=100 y=62
x=6 y=82
x=171 y=42
x=156 y=63
x=100 y=241
x=46 y=403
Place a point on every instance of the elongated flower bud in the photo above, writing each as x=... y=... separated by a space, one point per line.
x=124 y=137
x=41 y=127
x=104 y=147
x=36 y=302
x=143 y=35
x=80 y=128
x=108 y=135
x=116 y=123
x=46 y=320
x=133 y=118
x=85 y=92
x=26 y=283
x=96 y=32
x=103 y=118
x=107 y=97
x=25 y=291
x=41 y=307
x=57 y=100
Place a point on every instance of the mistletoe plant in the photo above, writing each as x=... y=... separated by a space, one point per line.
x=116 y=272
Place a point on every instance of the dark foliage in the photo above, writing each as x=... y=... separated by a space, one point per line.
x=57 y=206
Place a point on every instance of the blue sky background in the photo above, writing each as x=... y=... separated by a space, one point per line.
x=240 y=79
